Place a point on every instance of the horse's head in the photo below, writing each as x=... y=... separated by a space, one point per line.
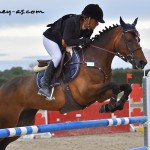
x=128 y=45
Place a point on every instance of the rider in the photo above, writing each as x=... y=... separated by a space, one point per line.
x=70 y=30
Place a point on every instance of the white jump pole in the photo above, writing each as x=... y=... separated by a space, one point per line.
x=146 y=107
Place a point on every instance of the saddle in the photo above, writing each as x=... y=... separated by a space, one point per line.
x=44 y=63
x=66 y=71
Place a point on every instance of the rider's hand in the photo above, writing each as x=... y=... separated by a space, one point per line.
x=63 y=43
x=87 y=41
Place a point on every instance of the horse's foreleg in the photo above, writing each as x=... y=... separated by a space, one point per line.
x=113 y=100
x=26 y=118
x=113 y=104
x=7 y=122
x=127 y=90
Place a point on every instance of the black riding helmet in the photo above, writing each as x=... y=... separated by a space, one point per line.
x=93 y=11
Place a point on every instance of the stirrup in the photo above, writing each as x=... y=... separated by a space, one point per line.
x=48 y=97
x=51 y=96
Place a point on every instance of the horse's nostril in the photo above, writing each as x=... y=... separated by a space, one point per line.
x=142 y=62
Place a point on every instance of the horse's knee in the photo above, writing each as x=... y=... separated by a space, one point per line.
x=126 y=88
x=129 y=88
x=114 y=87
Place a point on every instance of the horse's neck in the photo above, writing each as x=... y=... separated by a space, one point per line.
x=97 y=51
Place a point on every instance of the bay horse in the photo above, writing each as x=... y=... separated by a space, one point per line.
x=19 y=101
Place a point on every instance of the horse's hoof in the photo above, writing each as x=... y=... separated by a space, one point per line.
x=120 y=105
x=104 y=109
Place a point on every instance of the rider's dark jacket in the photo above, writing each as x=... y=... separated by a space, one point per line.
x=67 y=28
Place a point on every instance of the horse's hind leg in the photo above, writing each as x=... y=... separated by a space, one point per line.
x=26 y=118
x=6 y=141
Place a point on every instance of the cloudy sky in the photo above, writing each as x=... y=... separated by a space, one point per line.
x=21 y=34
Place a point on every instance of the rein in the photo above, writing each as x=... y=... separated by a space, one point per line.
x=114 y=53
x=103 y=49
x=129 y=57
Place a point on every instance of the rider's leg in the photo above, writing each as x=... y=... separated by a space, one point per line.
x=55 y=53
x=45 y=88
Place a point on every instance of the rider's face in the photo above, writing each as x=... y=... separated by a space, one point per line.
x=93 y=23
x=90 y=23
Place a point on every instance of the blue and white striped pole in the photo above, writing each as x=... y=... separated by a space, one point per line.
x=18 y=131
x=140 y=148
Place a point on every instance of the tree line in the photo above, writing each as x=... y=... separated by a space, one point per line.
x=128 y=75
x=12 y=73
x=118 y=75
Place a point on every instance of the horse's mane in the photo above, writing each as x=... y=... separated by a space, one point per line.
x=97 y=36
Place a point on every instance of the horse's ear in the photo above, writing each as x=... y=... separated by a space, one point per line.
x=122 y=22
x=135 y=22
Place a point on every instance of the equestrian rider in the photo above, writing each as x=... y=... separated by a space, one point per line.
x=70 y=30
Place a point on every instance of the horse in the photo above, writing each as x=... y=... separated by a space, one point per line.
x=19 y=101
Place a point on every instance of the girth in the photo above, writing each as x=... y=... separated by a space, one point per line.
x=70 y=104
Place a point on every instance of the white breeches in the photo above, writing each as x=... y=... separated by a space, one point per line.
x=53 y=50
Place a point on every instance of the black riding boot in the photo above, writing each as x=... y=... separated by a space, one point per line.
x=45 y=89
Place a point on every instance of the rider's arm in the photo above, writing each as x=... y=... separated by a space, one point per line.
x=68 y=34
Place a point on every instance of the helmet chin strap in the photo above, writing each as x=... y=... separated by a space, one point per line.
x=83 y=27
x=89 y=19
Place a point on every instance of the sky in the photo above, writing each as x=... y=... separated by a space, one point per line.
x=21 y=33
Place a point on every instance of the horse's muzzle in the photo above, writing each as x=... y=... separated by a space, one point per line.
x=139 y=64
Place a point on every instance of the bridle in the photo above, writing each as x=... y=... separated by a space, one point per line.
x=130 y=56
